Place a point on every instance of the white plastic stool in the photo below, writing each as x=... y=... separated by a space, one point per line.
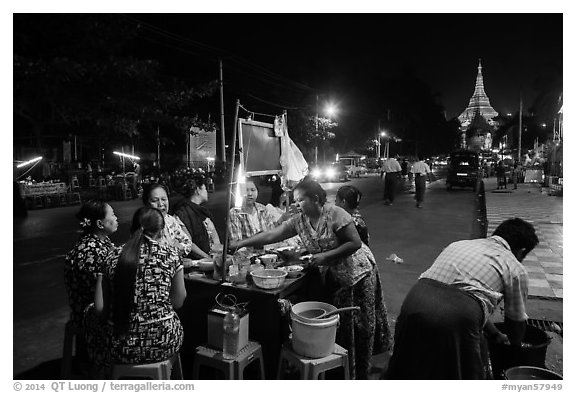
x=158 y=370
x=232 y=368
x=314 y=368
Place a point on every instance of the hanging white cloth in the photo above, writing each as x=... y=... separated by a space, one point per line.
x=294 y=165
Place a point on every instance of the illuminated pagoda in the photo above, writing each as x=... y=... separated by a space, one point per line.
x=480 y=137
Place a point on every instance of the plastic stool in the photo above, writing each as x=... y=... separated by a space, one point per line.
x=62 y=199
x=73 y=197
x=70 y=347
x=314 y=368
x=232 y=368
x=126 y=194
x=74 y=184
x=158 y=370
x=37 y=201
x=51 y=200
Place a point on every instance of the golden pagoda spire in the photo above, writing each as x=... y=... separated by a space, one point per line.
x=479 y=102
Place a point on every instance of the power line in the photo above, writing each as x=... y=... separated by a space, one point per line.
x=219 y=53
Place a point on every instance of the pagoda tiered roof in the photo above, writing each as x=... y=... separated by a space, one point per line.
x=479 y=103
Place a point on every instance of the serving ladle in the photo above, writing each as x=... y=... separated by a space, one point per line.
x=319 y=313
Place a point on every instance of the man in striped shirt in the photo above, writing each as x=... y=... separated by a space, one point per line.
x=439 y=329
x=421 y=171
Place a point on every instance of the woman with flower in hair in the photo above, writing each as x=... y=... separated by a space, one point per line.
x=141 y=287
x=87 y=258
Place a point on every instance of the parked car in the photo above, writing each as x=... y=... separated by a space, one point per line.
x=463 y=169
x=330 y=173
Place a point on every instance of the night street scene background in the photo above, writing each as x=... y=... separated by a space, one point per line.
x=366 y=85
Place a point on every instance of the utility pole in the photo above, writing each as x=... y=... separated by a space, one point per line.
x=378 y=141
x=158 y=147
x=520 y=133
x=222 y=133
x=316 y=147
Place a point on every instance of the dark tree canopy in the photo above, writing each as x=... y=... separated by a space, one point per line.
x=81 y=75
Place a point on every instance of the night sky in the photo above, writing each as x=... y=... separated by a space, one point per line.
x=343 y=56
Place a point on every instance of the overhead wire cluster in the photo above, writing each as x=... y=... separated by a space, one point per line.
x=234 y=62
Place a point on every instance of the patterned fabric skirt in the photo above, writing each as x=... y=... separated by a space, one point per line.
x=366 y=332
x=438 y=335
x=149 y=343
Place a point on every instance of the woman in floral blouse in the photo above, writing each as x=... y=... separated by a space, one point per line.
x=142 y=285
x=175 y=233
x=328 y=232
x=87 y=258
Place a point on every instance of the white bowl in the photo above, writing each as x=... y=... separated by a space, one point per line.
x=292 y=270
x=268 y=278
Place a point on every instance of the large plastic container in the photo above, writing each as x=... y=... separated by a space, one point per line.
x=504 y=357
x=313 y=338
x=531 y=373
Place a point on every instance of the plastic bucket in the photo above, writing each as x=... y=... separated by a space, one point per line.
x=313 y=338
x=530 y=373
x=533 y=353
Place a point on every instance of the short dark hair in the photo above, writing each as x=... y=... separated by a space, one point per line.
x=92 y=211
x=312 y=189
x=351 y=195
x=518 y=234
x=191 y=184
x=254 y=180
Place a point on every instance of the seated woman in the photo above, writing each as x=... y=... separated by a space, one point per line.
x=329 y=234
x=174 y=233
x=253 y=217
x=87 y=258
x=196 y=218
x=141 y=287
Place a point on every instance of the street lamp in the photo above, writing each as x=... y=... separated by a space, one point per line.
x=380 y=135
x=386 y=148
x=330 y=110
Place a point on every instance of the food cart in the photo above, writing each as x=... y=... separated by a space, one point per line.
x=264 y=150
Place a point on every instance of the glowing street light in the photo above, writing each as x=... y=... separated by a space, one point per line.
x=383 y=135
x=331 y=110
x=25 y=163
x=126 y=155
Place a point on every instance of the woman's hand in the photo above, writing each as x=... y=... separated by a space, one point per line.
x=319 y=259
x=233 y=245
x=501 y=338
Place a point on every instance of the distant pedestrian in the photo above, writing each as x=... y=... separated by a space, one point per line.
x=391 y=172
x=501 y=175
x=421 y=172
x=439 y=332
x=404 y=167
x=516 y=174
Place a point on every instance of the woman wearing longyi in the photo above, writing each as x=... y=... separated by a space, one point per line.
x=328 y=232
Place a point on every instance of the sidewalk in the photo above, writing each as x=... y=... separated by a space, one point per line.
x=544 y=264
